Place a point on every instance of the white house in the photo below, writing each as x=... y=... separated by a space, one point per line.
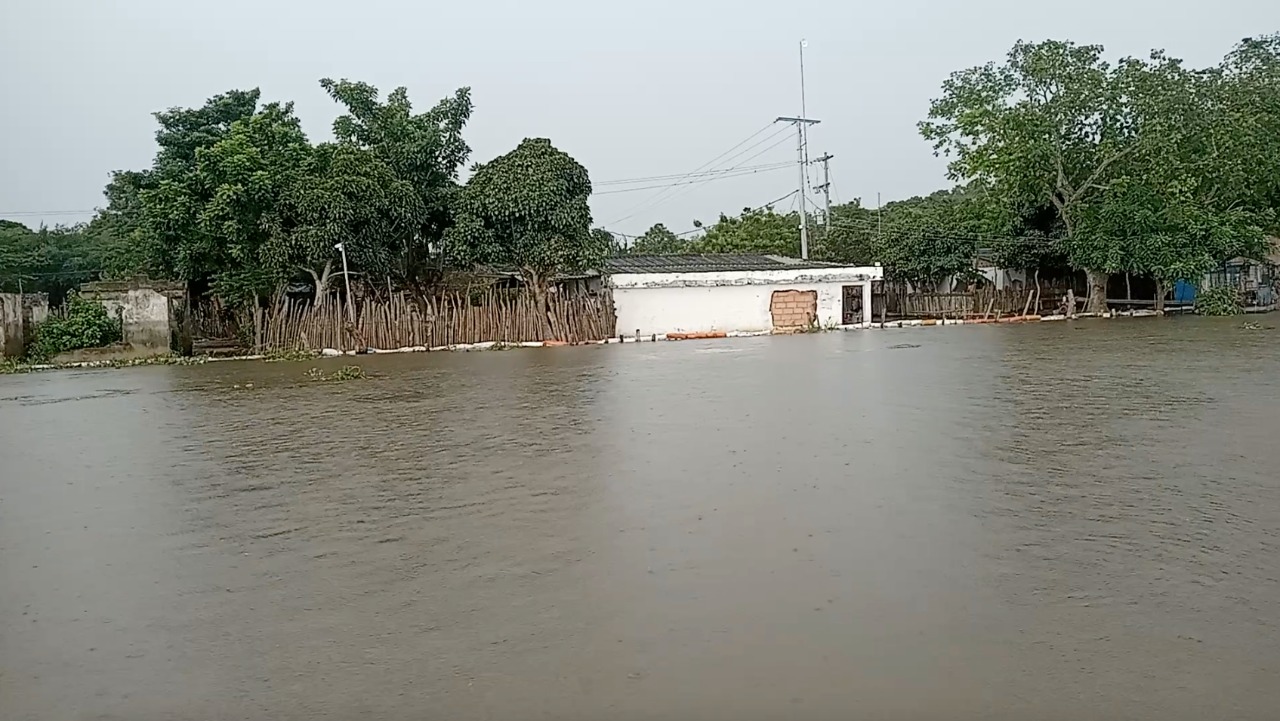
x=721 y=293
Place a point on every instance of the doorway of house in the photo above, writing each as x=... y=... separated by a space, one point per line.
x=794 y=310
x=851 y=304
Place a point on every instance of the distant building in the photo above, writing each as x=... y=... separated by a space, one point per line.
x=658 y=294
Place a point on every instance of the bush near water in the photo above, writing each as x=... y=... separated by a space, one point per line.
x=82 y=324
x=1224 y=300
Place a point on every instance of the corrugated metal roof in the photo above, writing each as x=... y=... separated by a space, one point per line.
x=719 y=262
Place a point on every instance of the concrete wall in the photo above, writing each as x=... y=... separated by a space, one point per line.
x=144 y=311
x=728 y=301
x=11 y=343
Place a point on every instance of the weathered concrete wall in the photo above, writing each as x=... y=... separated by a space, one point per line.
x=35 y=310
x=144 y=312
x=11 y=338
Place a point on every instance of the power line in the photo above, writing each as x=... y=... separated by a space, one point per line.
x=721 y=175
x=677 y=176
x=671 y=196
x=723 y=158
x=33 y=213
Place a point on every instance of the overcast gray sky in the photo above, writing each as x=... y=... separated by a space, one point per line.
x=631 y=89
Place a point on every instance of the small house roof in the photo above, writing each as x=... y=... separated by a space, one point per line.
x=708 y=263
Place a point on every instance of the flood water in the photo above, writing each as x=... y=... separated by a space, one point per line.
x=1059 y=521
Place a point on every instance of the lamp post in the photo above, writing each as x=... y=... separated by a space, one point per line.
x=346 y=277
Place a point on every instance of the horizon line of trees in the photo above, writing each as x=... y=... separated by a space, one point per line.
x=1059 y=158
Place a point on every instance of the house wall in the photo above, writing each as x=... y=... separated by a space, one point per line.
x=656 y=303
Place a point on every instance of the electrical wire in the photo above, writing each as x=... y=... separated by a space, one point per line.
x=721 y=175
x=730 y=155
x=34 y=213
x=680 y=176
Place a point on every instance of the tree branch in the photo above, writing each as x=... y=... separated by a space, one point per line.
x=1091 y=182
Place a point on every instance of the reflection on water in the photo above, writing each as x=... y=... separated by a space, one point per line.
x=1055 y=521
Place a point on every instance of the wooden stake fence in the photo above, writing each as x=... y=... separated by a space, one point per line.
x=474 y=317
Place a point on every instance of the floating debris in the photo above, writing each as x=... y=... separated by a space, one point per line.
x=345 y=373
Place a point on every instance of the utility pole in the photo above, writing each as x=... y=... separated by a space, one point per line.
x=801 y=125
x=804 y=110
x=826 y=190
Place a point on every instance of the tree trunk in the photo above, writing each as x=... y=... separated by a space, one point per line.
x=538 y=284
x=1097 y=298
x=321 y=281
x=1160 y=292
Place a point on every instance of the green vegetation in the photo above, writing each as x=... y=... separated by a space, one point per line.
x=10 y=365
x=290 y=355
x=345 y=373
x=240 y=203
x=528 y=209
x=82 y=324
x=1223 y=300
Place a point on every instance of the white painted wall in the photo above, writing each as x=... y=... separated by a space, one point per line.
x=656 y=303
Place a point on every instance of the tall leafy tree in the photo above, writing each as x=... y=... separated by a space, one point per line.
x=1149 y=167
x=424 y=152
x=528 y=209
x=1046 y=126
x=246 y=174
x=158 y=209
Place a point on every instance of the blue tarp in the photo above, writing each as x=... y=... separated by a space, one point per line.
x=1184 y=292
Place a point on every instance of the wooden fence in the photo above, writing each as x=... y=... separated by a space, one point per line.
x=977 y=303
x=489 y=315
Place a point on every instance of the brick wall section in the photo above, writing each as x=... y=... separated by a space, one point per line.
x=793 y=309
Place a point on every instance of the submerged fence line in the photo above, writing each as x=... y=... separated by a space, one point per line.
x=402 y=321
x=981 y=302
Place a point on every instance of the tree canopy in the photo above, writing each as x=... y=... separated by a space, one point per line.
x=528 y=209
x=1148 y=166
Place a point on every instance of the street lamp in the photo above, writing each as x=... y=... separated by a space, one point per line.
x=346 y=277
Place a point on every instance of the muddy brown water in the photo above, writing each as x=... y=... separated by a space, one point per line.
x=1043 y=522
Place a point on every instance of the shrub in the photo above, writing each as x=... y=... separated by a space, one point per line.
x=1223 y=300
x=82 y=324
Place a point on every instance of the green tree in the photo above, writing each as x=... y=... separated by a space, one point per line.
x=1049 y=125
x=609 y=240
x=156 y=211
x=245 y=175
x=345 y=195
x=528 y=209
x=755 y=231
x=659 y=241
x=849 y=235
x=423 y=152
x=49 y=260
x=1149 y=167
